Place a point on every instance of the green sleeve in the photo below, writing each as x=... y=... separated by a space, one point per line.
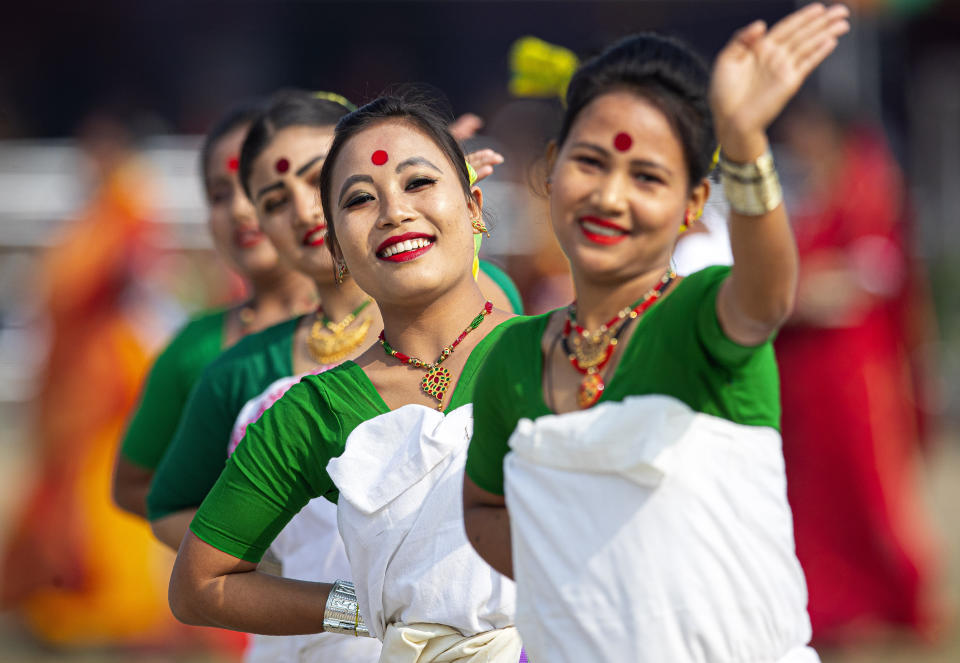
x=279 y=466
x=503 y=280
x=715 y=341
x=167 y=387
x=198 y=451
x=494 y=419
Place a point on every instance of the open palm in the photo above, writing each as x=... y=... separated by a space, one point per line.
x=759 y=70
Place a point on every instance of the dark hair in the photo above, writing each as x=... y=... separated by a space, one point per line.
x=666 y=72
x=286 y=108
x=240 y=115
x=417 y=114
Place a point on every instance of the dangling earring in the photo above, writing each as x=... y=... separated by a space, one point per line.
x=685 y=226
x=340 y=269
x=479 y=227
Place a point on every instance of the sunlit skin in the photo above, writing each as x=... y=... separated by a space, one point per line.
x=425 y=302
x=643 y=191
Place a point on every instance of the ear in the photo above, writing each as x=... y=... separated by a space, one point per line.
x=475 y=203
x=552 y=151
x=698 y=198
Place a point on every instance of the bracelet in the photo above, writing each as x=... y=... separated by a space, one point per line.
x=342 y=612
x=752 y=189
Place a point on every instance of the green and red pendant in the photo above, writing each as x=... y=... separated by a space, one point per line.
x=437 y=380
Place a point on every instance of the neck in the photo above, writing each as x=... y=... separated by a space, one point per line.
x=284 y=291
x=422 y=330
x=339 y=301
x=598 y=301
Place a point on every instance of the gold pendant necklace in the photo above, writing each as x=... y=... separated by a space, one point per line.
x=331 y=343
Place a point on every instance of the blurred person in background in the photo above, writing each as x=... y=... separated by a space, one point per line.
x=75 y=570
x=276 y=293
x=851 y=421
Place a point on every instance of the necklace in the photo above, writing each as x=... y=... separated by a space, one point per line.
x=332 y=347
x=589 y=352
x=437 y=380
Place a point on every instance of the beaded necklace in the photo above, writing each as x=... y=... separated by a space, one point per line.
x=333 y=347
x=437 y=380
x=590 y=352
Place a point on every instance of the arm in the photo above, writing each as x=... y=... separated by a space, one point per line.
x=754 y=77
x=211 y=588
x=171 y=528
x=487 y=523
x=131 y=483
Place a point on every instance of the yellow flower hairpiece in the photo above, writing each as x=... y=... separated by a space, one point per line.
x=540 y=69
x=335 y=98
x=472 y=174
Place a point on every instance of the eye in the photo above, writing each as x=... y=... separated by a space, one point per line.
x=219 y=197
x=419 y=183
x=273 y=204
x=315 y=180
x=357 y=200
x=587 y=160
x=648 y=178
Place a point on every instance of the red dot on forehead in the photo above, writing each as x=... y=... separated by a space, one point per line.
x=622 y=141
x=233 y=164
x=379 y=158
x=282 y=165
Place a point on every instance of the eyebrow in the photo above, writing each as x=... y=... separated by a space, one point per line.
x=268 y=188
x=305 y=167
x=350 y=181
x=646 y=163
x=415 y=161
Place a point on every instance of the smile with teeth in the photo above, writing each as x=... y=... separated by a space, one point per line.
x=403 y=247
x=315 y=236
x=597 y=229
x=601 y=231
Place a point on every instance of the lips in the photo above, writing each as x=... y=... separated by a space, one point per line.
x=246 y=239
x=601 y=231
x=405 y=247
x=316 y=236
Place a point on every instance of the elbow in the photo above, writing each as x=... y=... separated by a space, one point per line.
x=185 y=599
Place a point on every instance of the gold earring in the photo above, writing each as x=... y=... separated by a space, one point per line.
x=479 y=226
x=341 y=270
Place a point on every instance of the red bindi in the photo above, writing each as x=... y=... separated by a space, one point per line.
x=379 y=158
x=282 y=165
x=622 y=141
x=233 y=164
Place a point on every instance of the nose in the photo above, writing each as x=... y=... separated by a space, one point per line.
x=307 y=204
x=609 y=196
x=241 y=208
x=393 y=210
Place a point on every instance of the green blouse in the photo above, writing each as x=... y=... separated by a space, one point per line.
x=199 y=448
x=281 y=464
x=167 y=387
x=678 y=350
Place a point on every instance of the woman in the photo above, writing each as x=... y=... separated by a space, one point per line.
x=276 y=290
x=403 y=218
x=648 y=517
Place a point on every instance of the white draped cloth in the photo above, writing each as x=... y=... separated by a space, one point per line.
x=645 y=531
x=422 y=588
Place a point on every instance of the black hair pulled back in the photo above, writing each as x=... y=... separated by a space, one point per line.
x=284 y=109
x=666 y=72
x=236 y=117
x=418 y=114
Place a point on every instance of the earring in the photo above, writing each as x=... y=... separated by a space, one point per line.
x=479 y=227
x=685 y=226
x=340 y=271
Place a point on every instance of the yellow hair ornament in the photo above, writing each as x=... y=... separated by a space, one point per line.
x=335 y=98
x=540 y=69
x=472 y=174
x=714 y=161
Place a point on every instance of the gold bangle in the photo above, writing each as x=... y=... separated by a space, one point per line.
x=752 y=189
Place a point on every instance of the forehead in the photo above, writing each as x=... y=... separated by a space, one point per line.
x=399 y=140
x=293 y=141
x=228 y=145
x=611 y=114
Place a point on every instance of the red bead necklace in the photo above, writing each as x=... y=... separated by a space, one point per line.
x=437 y=380
x=590 y=352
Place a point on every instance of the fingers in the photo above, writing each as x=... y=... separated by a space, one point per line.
x=483 y=162
x=465 y=126
x=785 y=27
x=812 y=59
x=750 y=35
x=832 y=22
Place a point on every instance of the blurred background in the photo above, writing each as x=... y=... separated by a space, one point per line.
x=104 y=253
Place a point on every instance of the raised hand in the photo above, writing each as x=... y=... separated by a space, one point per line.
x=465 y=126
x=760 y=69
x=483 y=162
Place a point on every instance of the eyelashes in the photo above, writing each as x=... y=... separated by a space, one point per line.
x=415 y=184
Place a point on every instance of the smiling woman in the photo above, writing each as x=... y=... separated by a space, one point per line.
x=402 y=212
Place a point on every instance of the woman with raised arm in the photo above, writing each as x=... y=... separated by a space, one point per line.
x=384 y=435
x=634 y=434
x=276 y=293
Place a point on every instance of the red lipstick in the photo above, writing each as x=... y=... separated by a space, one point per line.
x=596 y=236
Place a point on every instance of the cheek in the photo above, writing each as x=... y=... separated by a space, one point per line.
x=219 y=222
